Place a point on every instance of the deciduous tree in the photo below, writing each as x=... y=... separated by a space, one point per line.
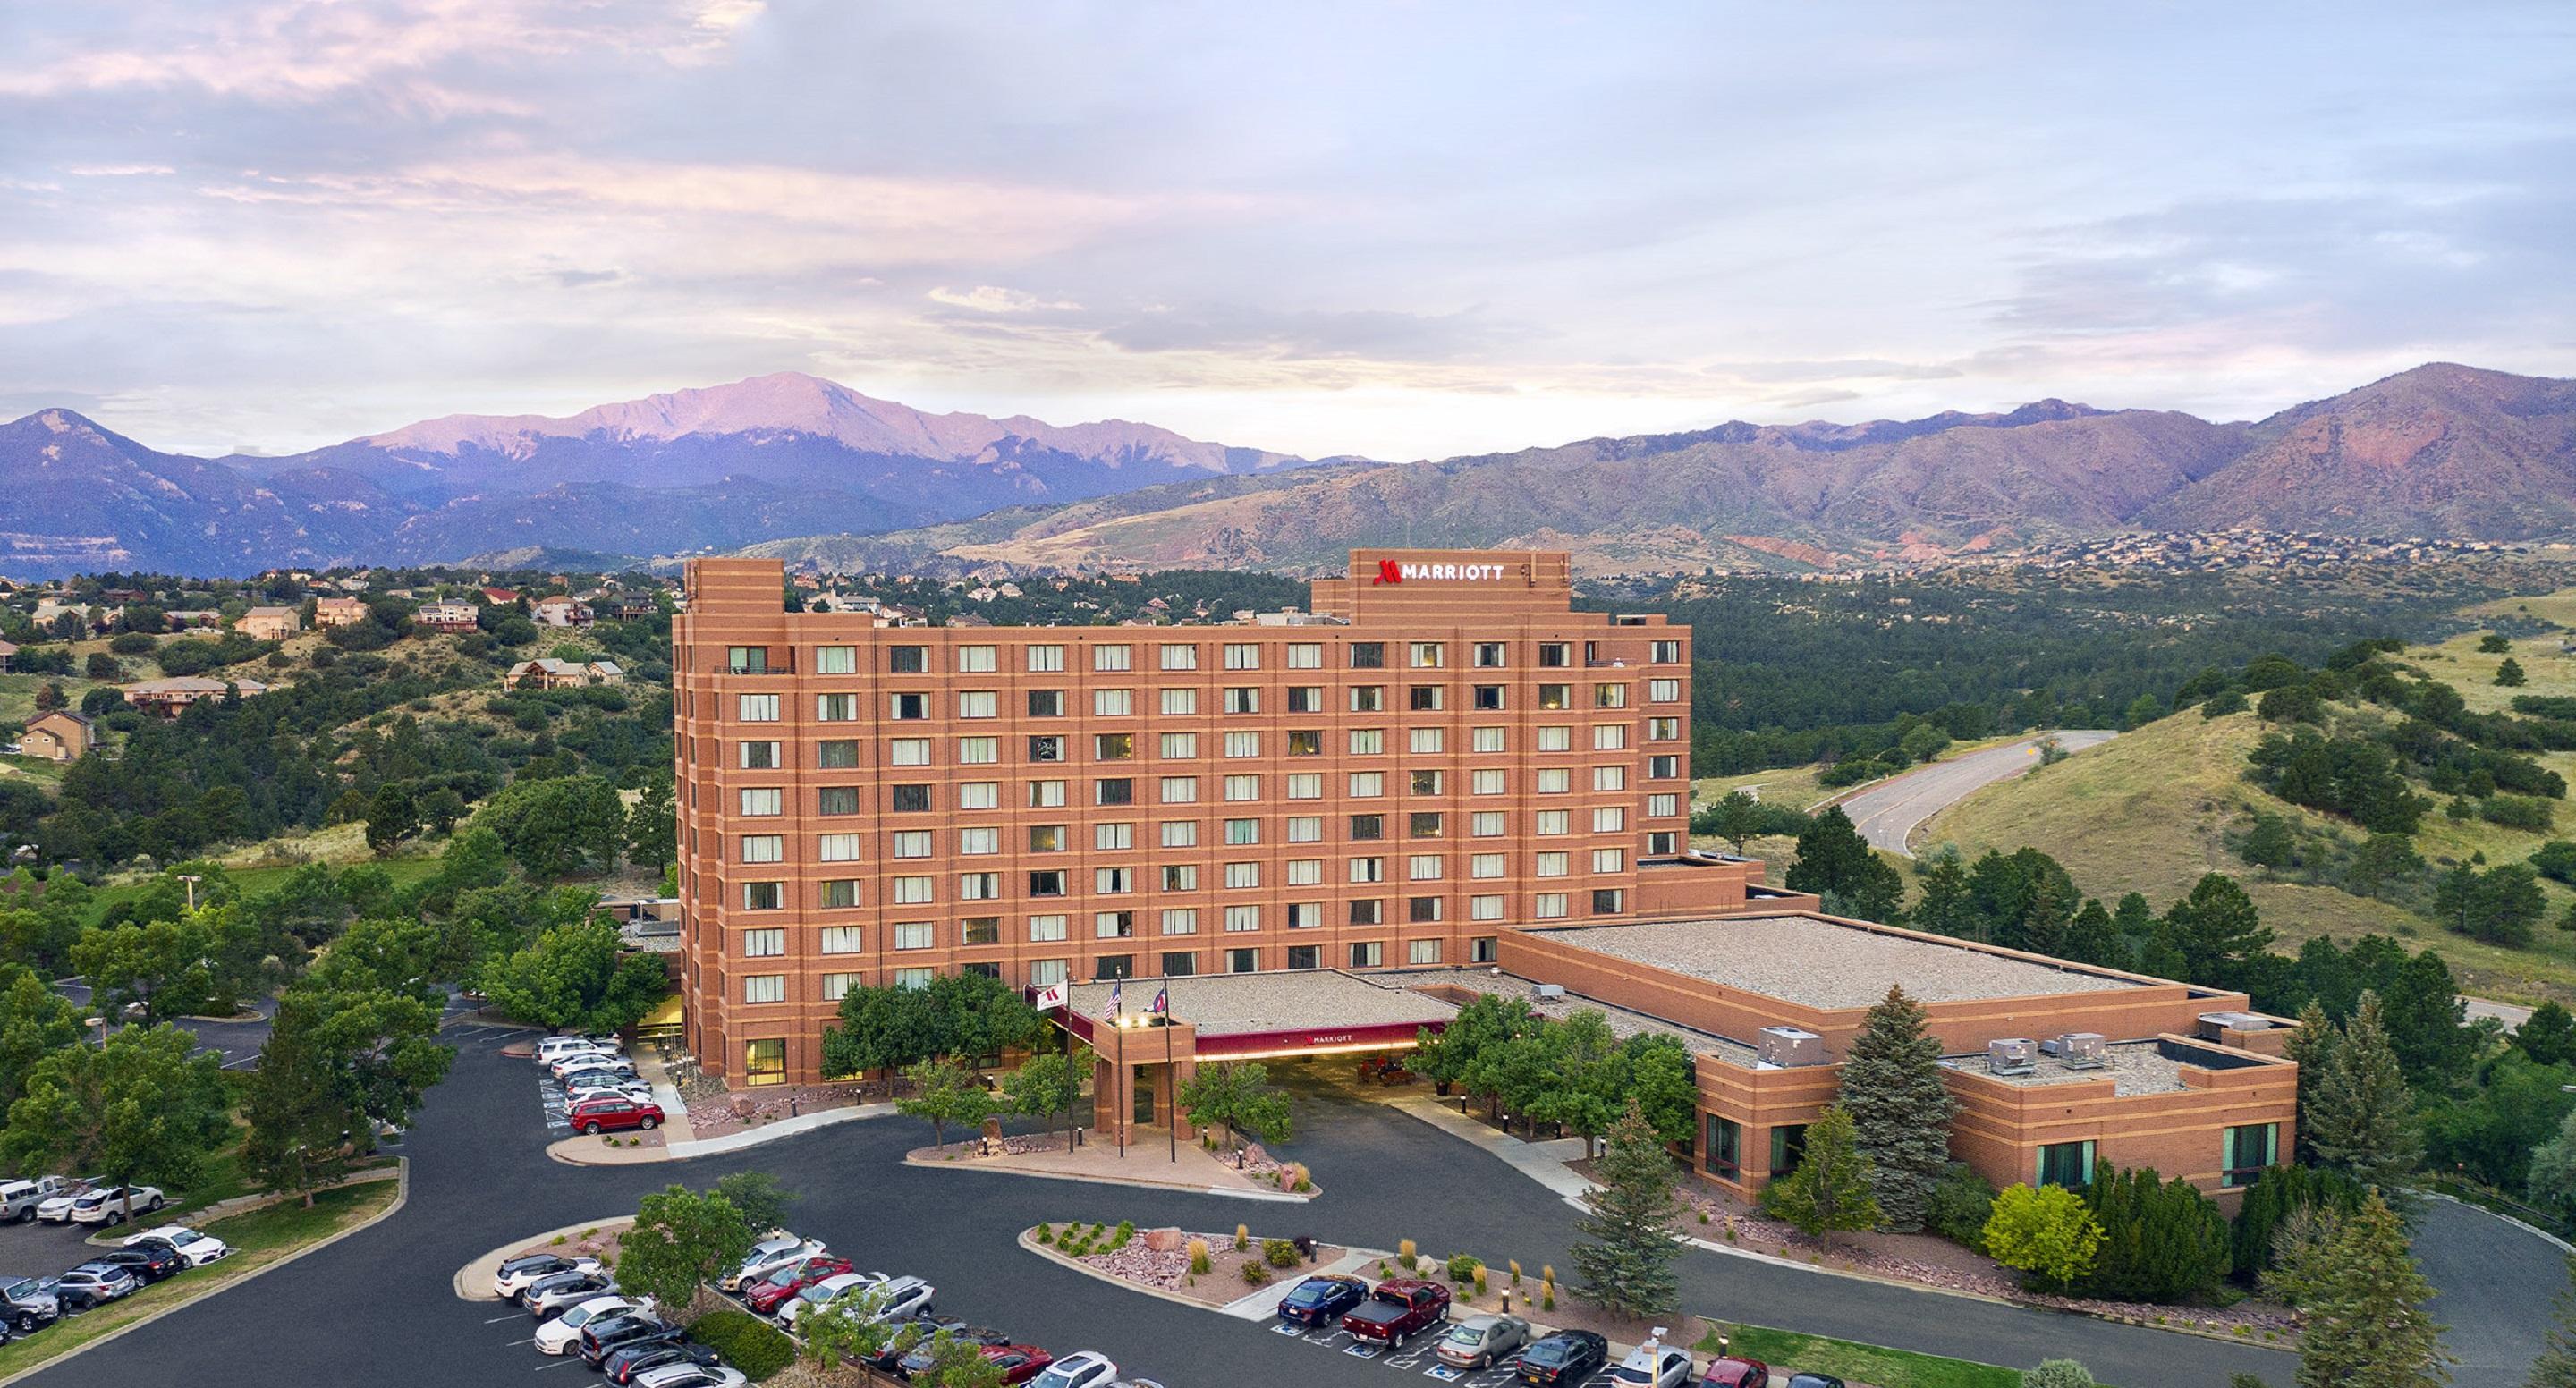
x=945 y=1093
x=1045 y=1087
x=576 y=977
x=1236 y=1095
x=139 y=1108
x=680 y=1239
x=1832 y=1188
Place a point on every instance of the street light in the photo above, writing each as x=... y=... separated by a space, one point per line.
x=101 y=1024
x=192 y=880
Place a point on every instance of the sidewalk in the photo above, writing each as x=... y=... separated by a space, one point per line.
x=676 y=1127
x=592 y=1151
x=1147 y=1162
x=1543 y=1162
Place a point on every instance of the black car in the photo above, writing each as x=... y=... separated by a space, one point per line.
x=151 y=1259
x=907 y=1335
x=1568 y=1356
x=917 y=1360
x=1322 y=1300
x=608 y=1334
x=622 y=1365
x=1814 y=1381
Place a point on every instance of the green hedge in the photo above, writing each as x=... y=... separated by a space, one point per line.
x=747 y=1342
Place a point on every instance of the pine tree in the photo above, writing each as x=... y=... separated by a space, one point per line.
x=1626 y=1258
x=1830 y=1190
x=2556 y=1366
x=2089 y=937
x=2363 y=1299
x=2364 y=1116
x=2312 y=1047
x=1891 y=1087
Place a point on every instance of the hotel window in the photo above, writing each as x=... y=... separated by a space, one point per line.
x=1046 y=883
x=914 y=891
x=1243 y=744
x=1424 y=951
x=1609 y=778
x=1368 y=911
x=1112 y=703
x=1239 y=919
x=1241 y=788
x=1486 y=781
x=1663 y=768
x=1484 y=908
x=1424 y=741
x=748 y=660
x=1305 y=785
x=836 y=660
x=1665 y=652
x=837 y=893
x=980 y=930
x=1555 y=655
x=765 y=988
x=1486 y=740
x=1663 y=841
x=1302 y=957
x=1306 y=828
x=1368 y=655
x=839 y=754
x=1180 y=964
x=979 y=751
x=908 y=751
x=1046 y=703
x=1306 y=698
x=1046 y=973
x=836 y=800
x=760 y=756
x=912 y=843
x=1180 y=702
x=1423 y=910
x=1663 y=803
x=1486 y=824
x=1663 y=729
x=1491 y=655
x=1609 y=696
x=1046 y=929
x=908 y=799
x=2246 y=1151
x=1242 y=699
x=1305 y=915
x=978 y=703
x=1609 y=737
x=1180 y=920
x=1556 y=739
x=1609 y=859
x=1609 y=819
x=1485 y=949
x=1113 y=925
x=836 y=848
x=1367 y=870
x=1425 y=824
x=1046 y=749
x=1663 y=691
x=1305 y=655
x=1114 y=791
x=2068 y=1164
x=762 y=800
x=1422 y=867
x=908 y=660
x=1366 y=827
x=1305 y=872
x=1046 y=795
x=1178 y=746
x=1180 y=877
x=916 y=935
x=1111 y=658
x=979 y=795
x=1113 y=838
x=757 y=708
x=1548 y=906
x=763 y=944
x=1242 y=655
x=1180 y=833
x=1305 y=742
x=1607 y=901
x=1368 y=698
x=1365 y=784
x=975 y=660
x=1554 y=780
x=1044 y=660
x=1485 y=865
x=1241 y=833
x=762 y=848
x=1426 y=782
x=1555 y=697
x=1554 y=864
x=840 y=939
x=914 y=979
x=1180 y=790
x=1113 y=746
x=1179 y=655
x=979 y=841
x=835 y=985
x=903 y=708
x=1427 y=655
x=1367 y=954
x=1553 y=822
x=1488 y=698
x=1722 y=1149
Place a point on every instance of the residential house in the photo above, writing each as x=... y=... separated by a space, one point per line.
x=270 y=623
x=338 y=612
x=563 y=612
x=168 y=697
x=8 y=656
x=60 y=735
x=447 y=615
x=550 y=673
x=500 y=597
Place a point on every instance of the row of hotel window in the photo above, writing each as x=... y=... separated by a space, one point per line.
x=1119 y=837
x=1361 y=954
x=1048 y=658
x=2244 y=1152
x=1183 y=877
x=1184 y=703
x=759 y=802
x=764 y=754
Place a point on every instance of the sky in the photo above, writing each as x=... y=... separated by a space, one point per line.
x=1392 y=229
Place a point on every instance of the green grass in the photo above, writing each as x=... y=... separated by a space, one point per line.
x=258 y=1239
x=1788 y=1352
x=251 y=881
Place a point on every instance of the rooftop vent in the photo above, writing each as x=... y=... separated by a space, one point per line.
x=2012 y=1055
x=1547 y=992
x=2214 y=1026
x=1789 y=1046
x=2077 y=1050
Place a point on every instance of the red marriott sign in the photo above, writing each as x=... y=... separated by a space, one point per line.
x=1391 y=571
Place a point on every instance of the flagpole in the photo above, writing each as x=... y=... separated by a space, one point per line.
x=1171 y=1079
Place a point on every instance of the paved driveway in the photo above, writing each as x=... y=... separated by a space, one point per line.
x=2496 y=1281
x=1887 y=813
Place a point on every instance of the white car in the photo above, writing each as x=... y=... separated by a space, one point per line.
x=690 y=1376
x=1084 y=1368
x=1664 y=1367
x=585 y=1062
x=601 y=1089
x=198 y=1249
x=516 y=1275
x=831 y=1287
x=108 y=1204
x=768 y=1256
x=554 y=1048
x=57 y=1209
x=560 y=1335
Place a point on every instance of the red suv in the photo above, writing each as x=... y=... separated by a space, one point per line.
x=605 y=1115
x=778 y=1288
x=1731 y=1372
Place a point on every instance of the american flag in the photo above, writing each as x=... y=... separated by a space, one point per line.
x=1115 y=988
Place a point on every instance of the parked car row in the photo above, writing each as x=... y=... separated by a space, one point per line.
x=29 y=1304
x=579 y=1311
x=601 y=1090
x=75 y=1200
x=1394 y=1312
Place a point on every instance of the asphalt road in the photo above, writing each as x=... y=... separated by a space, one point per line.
x=2496 y=1279
x=1886 y=814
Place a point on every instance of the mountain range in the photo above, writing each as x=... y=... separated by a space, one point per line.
x=801 y=467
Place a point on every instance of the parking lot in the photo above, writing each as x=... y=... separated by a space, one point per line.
x=1414 y=1357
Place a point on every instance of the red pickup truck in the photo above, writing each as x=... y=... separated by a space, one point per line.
x=1398 y=1310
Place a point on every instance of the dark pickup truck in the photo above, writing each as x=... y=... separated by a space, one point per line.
x=1397 y=1311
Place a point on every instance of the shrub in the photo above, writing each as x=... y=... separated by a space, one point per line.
x=1407 y=1254
x=1117 y=1240
x=1279 y=1253
x=1254 y=1272
x=746 y=1342
x=1046 y=1234
x=1199 y=1263
x=1480 y=1280
x=1242 y=1238
x=2162 y=1241
x=2058 y=1373
x=1463 y=1267
x=1960 y=1204
x=1516 y=1271
x=2046 y=1232
x=1547 y=1295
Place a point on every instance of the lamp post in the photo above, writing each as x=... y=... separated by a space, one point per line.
x=192 y=880
x=99 y=1022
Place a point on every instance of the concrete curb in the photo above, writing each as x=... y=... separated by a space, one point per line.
x=1273 y=1196
x=1275 y=1289
x=473 y=1281
x=402 y=1197
x=2538 y=1233
x=564 y=1152
x=238 y=1205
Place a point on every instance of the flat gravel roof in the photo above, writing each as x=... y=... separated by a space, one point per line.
x=1279 y=1000
x=1818 y=963
x=2137 y=1067
x=1624 y=1022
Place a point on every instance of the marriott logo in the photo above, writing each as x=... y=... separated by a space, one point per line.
x=1389 y=571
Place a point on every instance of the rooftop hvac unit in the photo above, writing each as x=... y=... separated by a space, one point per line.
x=2077 y=1050
x=1788 y=1046
x=2012 y=1055
x=1547 y=992
x=2215 y=1025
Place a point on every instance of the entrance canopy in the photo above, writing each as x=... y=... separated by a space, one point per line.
x=1289 y=1012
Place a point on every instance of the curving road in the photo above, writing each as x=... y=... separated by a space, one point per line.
x=1887 y=813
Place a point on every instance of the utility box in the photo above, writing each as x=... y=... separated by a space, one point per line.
x=1789 y=1046
x=2012 y=1055
x=1547 y=992
x=2214 y=1026
x=2077 y=1050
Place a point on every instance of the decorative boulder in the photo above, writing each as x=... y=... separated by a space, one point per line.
x=1252 y=1153
x=993 y=1131
x=1163 y=1240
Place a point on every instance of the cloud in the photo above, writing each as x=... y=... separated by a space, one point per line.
x=987 y=298
x=118 y=170
x=576 y=279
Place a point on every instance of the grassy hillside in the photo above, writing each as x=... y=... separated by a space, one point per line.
x=2150 y=812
